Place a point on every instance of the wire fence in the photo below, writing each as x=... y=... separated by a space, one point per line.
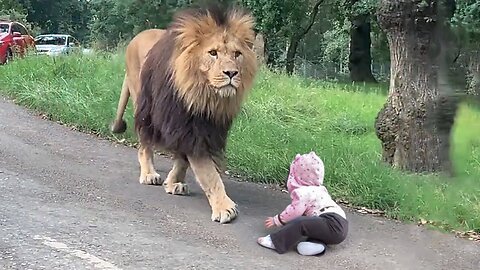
x=336 y=71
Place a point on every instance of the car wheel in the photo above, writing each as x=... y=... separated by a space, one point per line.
x=8 y=57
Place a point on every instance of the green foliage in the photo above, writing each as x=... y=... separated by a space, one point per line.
x=282 y=117
x=359 y=7
x=108 y=24
x=52 y=16
x=11 y=5
x=115 y=21
x=468 y=15
x=271 y=21
x=11 y=10
x=67 y=16
x=336 y=42
x=13 y=15
x=329 y=40
x=279 y=21
x=466 y=26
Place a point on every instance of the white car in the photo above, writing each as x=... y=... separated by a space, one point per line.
x=56 y=44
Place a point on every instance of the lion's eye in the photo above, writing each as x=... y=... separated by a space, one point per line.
x=237 y=54
x=213 y=52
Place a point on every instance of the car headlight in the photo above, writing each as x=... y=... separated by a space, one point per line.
x=1 y=43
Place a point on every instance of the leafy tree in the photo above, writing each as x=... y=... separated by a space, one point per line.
x=297 y=34
x=467 y=25
x=270 y=21
x=14 y=11
x=109 y=23
x=49 y=16
x=284 y=20
x=12 y=14
x=116 y=21
x=11 y=5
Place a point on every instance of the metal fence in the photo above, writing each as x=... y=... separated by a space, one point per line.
x=336 y=71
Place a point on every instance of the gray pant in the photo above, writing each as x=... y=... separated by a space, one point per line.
x=328 y=228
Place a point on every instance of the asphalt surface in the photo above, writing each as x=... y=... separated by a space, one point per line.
x=72 y=201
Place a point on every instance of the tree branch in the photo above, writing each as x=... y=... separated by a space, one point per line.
x=313 y=16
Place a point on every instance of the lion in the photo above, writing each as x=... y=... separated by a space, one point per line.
x=188 y=83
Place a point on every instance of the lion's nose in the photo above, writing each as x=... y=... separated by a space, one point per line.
x=230 y=73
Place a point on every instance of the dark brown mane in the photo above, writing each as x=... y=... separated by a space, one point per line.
x=218 y=11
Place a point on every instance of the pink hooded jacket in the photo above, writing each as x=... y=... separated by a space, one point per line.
x=305 y=185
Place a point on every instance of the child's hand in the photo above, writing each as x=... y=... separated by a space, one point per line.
x=269 y=222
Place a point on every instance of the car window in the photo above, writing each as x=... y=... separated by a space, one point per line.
x=50 y=40
x=22 y=30
x=15 y=28
x=75 y=42
x=4 y=28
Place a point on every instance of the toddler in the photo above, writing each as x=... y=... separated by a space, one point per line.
x=312 y=213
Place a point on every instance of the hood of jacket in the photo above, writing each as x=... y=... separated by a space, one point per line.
x=305 y=170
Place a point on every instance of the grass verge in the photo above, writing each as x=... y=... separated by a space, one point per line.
x=282 y=117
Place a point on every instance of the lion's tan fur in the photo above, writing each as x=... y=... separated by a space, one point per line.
x=135 y=55
x=200 y=82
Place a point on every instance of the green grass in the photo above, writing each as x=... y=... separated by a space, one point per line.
x=283 y=116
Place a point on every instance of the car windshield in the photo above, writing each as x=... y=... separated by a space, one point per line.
x=51 y=40
x=4 y=27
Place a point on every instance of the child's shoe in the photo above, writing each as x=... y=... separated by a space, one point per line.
x=266 y=242
x=310 y=248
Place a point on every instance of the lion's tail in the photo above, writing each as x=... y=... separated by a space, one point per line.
x=119 y=125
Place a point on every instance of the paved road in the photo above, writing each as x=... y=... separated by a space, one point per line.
x=72 y=201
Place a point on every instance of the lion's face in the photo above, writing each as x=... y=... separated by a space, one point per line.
x=221 y=61
x=214 y=56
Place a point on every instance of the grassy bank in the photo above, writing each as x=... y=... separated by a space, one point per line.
x=282 y=117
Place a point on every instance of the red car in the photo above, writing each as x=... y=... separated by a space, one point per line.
x=14 y=40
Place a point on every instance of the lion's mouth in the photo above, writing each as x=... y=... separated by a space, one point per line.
x=226 y=91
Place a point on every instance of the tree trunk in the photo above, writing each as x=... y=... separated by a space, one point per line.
x=291 y=53
x=272 y=51
x=360 y=58
x=414 y=125
x=259 y=48
x=298 y=35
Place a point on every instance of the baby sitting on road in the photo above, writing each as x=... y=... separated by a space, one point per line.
x=312 y=213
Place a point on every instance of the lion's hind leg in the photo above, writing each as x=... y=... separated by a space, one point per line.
x=148 y=175
x=175 y=182
x=223 y=208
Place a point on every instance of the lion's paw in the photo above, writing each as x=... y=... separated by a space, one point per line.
x=177 y=188
x=151 y=179
x=225 y=211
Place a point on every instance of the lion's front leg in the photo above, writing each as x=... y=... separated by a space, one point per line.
x=175 y=182
x=223 y=208
x=148 y=175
